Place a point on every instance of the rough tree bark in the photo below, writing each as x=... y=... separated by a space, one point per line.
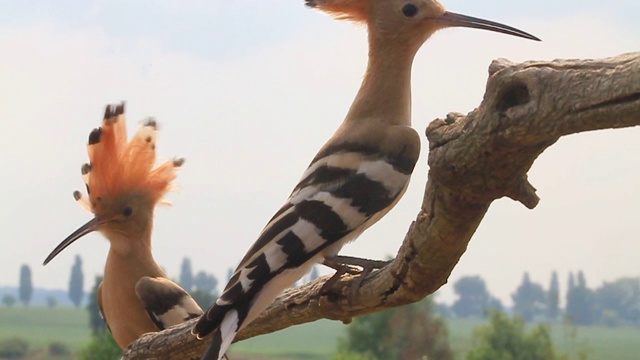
x=473 y=160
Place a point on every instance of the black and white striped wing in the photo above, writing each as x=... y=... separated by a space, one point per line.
x=345 y=190
x=166 y=303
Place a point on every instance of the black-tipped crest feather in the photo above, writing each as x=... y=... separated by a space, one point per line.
x=151 y=122
x=94 y=136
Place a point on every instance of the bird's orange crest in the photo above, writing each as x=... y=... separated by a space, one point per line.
x=117 y=166
x=353 y=10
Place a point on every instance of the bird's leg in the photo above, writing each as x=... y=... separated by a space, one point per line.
x=340 y=269
x=349 y=265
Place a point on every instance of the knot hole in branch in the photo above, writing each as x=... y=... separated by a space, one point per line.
x=512 y=95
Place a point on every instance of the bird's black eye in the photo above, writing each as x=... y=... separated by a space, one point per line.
x=409 y=10
x=127 y=211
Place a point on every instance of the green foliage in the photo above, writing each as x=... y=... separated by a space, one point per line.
x=581 y=305
x=619 y=302
x=14 y=348
x=352 y=356
x=473 y=298
x=205 y=282
x=101 y=347
x=203 y=298
x=186 y=275
x=51 y=302
x=59 y=349
x=506 y=339
x=571 y=283
x=553 y=298
x=530 y=300
x=368 y=335
x=25 y=291
x=9 y=300
x=76 y=282
x=418 y=334
x=407 y=332
x=96 y=322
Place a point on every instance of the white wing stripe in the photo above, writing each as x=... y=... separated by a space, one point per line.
x=309 y=234
x=342 y=207
x=384 y=173
x=274 y=255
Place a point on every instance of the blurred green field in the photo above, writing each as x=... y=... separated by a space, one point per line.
x=315 y=341
x=41 y=326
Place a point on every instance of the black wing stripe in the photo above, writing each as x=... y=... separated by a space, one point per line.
x=260 y=270
x=330 y=224
x=162 y=300
x=231 y=294
x=364 y=196
x=326 y=206
x=293 y=246
x=367 y=195
x=271 y=231
x=232 y=281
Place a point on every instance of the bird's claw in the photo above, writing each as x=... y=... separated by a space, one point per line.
x=350 y=265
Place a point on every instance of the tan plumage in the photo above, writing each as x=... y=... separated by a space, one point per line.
x=123 y=187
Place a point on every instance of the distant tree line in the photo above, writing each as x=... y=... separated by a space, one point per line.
x=76 y=282
x=203 y=287
x=612 y=304
x=26 y=288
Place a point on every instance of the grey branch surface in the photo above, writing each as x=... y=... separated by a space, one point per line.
x=473 y=160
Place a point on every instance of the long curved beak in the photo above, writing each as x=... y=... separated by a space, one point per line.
x=450 y=19
x=83 y=230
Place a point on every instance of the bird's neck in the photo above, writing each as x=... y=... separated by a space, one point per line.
x=133 y=257
x=135 y=248
x=385 y=93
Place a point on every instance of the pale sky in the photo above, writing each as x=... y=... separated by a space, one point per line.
x=247 y=92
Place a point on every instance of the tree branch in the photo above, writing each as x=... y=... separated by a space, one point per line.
x=473 y=160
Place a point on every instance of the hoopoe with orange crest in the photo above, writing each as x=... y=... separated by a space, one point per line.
x=358 y=175
x=123 y=189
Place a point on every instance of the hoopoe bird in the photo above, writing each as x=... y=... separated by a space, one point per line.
x=356 y=177
x=123 y=188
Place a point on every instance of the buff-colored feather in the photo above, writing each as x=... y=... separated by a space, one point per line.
x=117 y=166
x=352 y=10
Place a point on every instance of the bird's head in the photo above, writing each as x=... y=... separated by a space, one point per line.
x=412 y=21
x=122 y=184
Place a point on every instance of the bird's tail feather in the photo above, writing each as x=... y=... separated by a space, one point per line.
x=223 y=337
